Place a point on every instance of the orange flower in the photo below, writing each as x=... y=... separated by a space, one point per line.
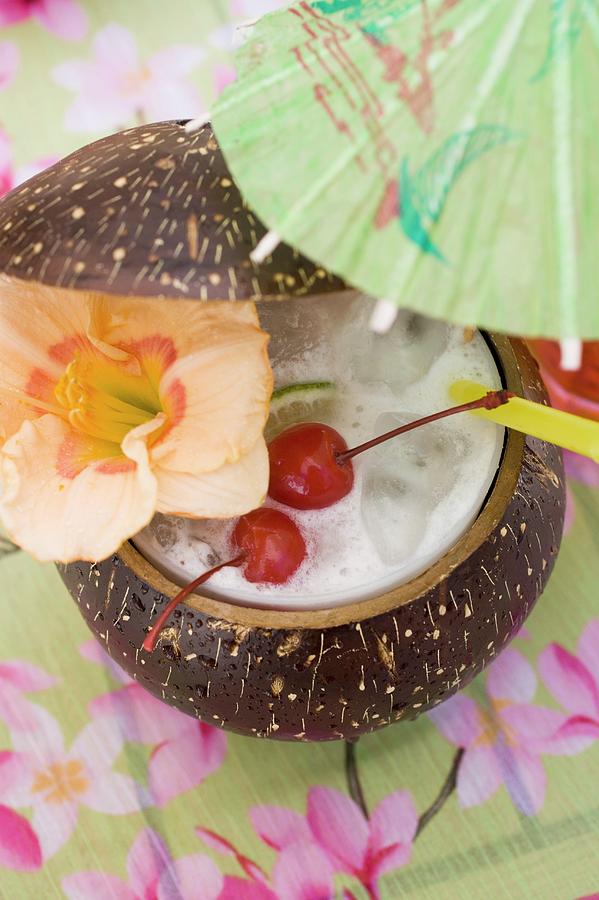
x=114 y=408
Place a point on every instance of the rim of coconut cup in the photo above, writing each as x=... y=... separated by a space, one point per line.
x=154 y=212
x=512 y=357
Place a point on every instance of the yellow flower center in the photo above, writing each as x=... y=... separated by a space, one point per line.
x=103 y=400
x=62 y=781
x=135 y=80
x=493 y=725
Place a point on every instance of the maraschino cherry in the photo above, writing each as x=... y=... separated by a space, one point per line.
x=269 y=545
x=310 y=463
x=305 y=472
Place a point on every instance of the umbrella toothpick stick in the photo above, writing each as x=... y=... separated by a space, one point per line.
x=383 y=316
x=571 y=432
x=266 y=247
x=197 y=124
x=571 y=354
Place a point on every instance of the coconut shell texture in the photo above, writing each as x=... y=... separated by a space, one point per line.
x=345 y=679
x=150 y=211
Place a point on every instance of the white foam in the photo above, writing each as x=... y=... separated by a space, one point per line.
x=330 y=340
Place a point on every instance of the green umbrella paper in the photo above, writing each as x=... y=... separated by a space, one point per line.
x=442 y=155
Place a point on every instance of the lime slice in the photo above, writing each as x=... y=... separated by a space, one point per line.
x=312 y=401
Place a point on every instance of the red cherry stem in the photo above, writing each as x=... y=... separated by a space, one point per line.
x=492 y=400
x=152 y=637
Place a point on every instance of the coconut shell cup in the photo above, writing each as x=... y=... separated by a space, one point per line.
x=153 y=212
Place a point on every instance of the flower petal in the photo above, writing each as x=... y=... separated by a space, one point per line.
x=40 y=737
x=170 y=98
x=141 y=718
x=53 y=823
x=569 y=681
x=176 y=60
x=524 y=777
x=183 y=877
x=479 y=776
x=12 y=11
x=575 y=735
x=64 y=18
x=25 y=676
x=57 y=516
x=9 y=62
x=511 y=677
x=96 y=886
x=231 y=490
x=303 y=872
x=458 y=719
x=19 y=845
x=392 y=828
x=588 y=648
x=241 y=889
x=115 y=794
x=182 y=764
x=215 y=841
x=340 y=828
x=71 y=73
x=279 y=827
x=16 y=711
x=115 y=47
x=165 y=332
x=30 y=345
x=14 y=773
x=97 y=745
x=147 y=860
x=529 y=724
x=96 y=109
x=227 y=383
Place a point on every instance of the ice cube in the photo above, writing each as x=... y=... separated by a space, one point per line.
x=398 y=358
x=393 y=517
x=404 y=480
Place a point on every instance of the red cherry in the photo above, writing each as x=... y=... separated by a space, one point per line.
x=272 y=543
x=305 y=472
x=271 y=549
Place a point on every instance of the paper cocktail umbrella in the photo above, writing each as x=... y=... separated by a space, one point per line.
x=440 y=155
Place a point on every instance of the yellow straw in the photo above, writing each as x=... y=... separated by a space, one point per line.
x=561 y=428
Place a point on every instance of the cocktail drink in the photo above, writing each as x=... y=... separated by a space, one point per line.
x=412 y=498
x=412 y=565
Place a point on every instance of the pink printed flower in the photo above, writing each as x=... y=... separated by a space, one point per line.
x=503 y=742
x=64 y=18
x=186 y=752
x=335 y=836
x=9 y=62
x=152 y=874
x=19 y=845
x=18 y=678
x=116 y=85
x=573 y=679
x=55 y=781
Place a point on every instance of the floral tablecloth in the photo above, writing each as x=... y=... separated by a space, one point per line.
x=106 y=793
